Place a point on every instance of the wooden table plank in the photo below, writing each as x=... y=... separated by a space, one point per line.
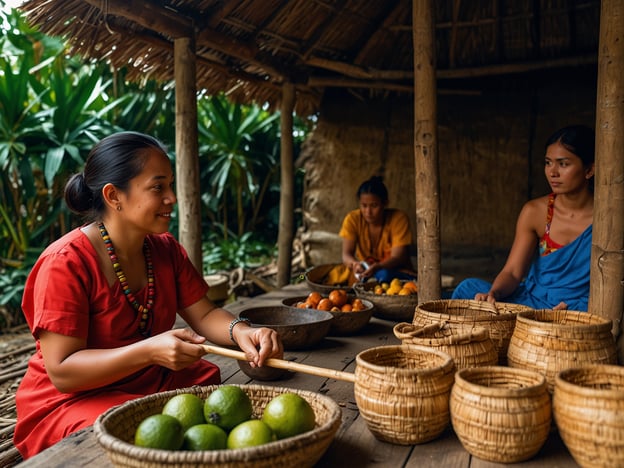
x=354 y=444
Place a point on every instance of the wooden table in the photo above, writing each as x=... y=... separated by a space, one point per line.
x=353 y=445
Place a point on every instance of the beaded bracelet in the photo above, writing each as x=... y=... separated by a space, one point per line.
x=233 y=324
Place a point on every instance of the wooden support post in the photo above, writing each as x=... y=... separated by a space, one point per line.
x=287 y=188
x=426 y=152
x=606 y=296
x=187 y=151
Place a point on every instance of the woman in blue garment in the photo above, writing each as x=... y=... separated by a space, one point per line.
x=549 y=261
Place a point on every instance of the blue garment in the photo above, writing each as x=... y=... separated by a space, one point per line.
x=561 y=276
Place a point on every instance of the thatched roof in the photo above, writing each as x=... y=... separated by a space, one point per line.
x=249 y=48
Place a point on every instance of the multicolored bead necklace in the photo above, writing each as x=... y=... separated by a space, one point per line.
x=144 y=311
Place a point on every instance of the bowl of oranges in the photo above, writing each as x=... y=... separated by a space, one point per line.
x=350 y=313
x=396 y=300
x=297 y=329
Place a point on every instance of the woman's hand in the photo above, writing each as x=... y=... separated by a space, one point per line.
x=175 y=349
x=258 y=344
x=488 y=296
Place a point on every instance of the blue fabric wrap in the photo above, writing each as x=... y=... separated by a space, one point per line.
x=562 y=276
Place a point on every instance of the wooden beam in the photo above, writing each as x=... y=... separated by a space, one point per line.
x=387 y=17
x=287 y=187
x=187 y=150
x=149 y=15
x=606 y=295
x=426 y=153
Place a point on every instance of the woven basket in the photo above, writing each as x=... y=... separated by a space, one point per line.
x=549 y=341
x=315 y=279
x=395 y=308
x=468 y=348
x=500 y=414
x=588 y=405
x=115 y=428
x=403 y=392
x=499 y=319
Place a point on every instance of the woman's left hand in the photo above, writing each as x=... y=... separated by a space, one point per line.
x=258 y=344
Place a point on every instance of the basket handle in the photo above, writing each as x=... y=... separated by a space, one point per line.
x=408 y=330
x=283 y=364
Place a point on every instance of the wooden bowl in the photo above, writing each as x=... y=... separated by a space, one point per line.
x=298 y=329
x=315 y=278
x=395 y=308
x=344 y=323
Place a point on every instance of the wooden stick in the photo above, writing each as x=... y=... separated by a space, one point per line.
x=283 y=364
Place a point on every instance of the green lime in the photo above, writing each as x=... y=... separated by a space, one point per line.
x=288 y=414
x=205 y=437
x=186 y=408
x=250 y=433
x=159 y=431
x=227 y=407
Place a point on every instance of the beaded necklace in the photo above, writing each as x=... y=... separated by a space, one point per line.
x=144 y=311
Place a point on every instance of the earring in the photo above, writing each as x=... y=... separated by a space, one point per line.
x=118 y=207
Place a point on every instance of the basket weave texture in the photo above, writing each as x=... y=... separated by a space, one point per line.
x=403 y=392
x=115 y=428
x=500 y=414
x=468 y=347
x=549 y=341
x=395 y=308
x=499 y=319
x=588 y=405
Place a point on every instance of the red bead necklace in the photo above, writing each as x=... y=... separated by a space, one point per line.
x=144 y=311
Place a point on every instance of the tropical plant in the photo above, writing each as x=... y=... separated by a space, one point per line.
x=234 y=168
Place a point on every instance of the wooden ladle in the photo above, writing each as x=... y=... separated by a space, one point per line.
x=283 y=364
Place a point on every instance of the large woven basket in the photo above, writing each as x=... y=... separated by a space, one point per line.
x=468 y=347
x=403 y=392
x=500 y=414
x=588 y=405
x=395 y=308
x=115 y=429
x=549 y=341
x=499 y=319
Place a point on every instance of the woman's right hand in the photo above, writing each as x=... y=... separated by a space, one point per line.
x=175 y=349
x=489 y=297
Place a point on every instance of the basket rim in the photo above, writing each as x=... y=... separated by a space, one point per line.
x=447 y=360
x=509 y=308
x=539 y=381
x=604 y=393
x=525 y=318
x=113 y=444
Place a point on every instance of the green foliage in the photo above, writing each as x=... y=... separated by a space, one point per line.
x=233 y=252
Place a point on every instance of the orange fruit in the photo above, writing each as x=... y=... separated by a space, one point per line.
x=357 y=305
x=405 y=292
x=335 y=309
x=346 y=308
x=302 y=305
x=411 y=286
x=314 y=298
x=338 y=297
x=324 y=304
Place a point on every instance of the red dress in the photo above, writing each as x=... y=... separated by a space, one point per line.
x=67 y=293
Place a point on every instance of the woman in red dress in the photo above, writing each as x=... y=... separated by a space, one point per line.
x=102 y=300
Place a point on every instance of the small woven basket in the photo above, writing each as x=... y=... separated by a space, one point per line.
x=468 y=347
x=115 y=428
x=403 y=392
x=588 y=405
x=500 y=414
x=549 y=341
x=395 y=308
x=499 y=319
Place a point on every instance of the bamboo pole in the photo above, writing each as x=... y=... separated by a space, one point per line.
x=606 y=296
x=187 y=151
x=426 y=152
x=287 y=188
